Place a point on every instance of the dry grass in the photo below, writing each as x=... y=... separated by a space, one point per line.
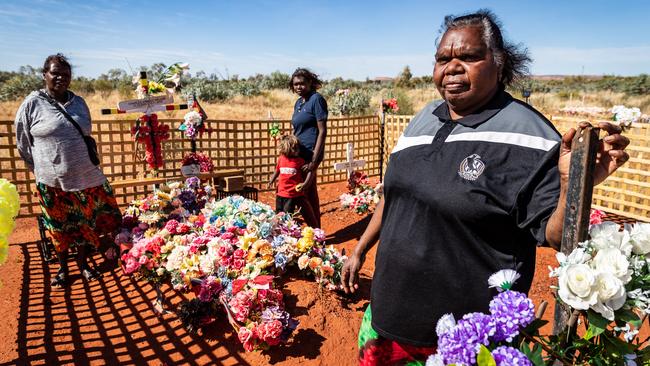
x=552 y=102
x=280 y=104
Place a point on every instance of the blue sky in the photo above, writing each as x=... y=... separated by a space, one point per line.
x=353 y=39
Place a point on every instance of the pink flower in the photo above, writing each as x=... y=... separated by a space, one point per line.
x=270 y=332
x=596 y=217
x=247 y=338
x=239 y=253
x=238 y=263
x=171 y=226
x=183 y=228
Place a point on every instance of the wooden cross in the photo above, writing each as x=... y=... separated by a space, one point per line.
x=578 y=206
x=350 y=164
x=153 y=135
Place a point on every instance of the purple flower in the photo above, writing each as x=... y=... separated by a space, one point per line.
x=508 y=356
x=511 y=311
x=461 y=344
x=193 y=182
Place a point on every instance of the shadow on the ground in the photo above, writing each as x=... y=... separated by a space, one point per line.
x=350 y=232
x=110 y=321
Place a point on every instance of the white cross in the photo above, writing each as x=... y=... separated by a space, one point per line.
x=350 y=164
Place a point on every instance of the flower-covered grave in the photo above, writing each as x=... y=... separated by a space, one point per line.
x=229 y=253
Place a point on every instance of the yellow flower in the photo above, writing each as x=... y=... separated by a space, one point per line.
x=163 y=196
x=246 y=241
x=150 y=232
x=308 y=233
x=304 y=244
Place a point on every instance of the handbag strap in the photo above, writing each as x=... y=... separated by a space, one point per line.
x=58 y=106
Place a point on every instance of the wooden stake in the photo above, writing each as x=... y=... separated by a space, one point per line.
x=578 y=205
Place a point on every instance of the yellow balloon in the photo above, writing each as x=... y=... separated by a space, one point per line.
x=4 y=249
x=7 y=222
x=9 y=196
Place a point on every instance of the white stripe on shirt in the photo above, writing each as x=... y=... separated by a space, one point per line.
x=519 y=139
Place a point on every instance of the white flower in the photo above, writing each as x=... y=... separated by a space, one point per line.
x=607 y=235
x=503 y=279
x=160 y=271
x=611 y=260
x=576 y=286
x=192 y=118
x=611 y=295
x=446 y=323
x=639 y=237
x=434 y=360
x=577 y=256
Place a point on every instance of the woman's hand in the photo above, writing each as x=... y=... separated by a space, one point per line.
x=611 y=152
x=350 y=273
x=308 y=167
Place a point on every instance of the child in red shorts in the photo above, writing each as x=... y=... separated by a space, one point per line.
x=291 y=185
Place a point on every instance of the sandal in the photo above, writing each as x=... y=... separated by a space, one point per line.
x=60 y=280
x=91 y=274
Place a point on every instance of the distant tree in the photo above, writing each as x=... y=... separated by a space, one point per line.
x=404 y=78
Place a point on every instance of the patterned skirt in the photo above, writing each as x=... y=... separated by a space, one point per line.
x=377 y=350
x=79 y=217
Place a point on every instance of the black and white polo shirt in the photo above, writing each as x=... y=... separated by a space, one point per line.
x=463 y=199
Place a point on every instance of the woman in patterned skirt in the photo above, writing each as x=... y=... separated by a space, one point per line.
x=76 y=200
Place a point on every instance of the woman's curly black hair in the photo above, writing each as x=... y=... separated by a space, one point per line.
x=62 y=60
x=309 y=76
x=512 y=59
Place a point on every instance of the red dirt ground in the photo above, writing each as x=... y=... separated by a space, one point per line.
x=112 y=321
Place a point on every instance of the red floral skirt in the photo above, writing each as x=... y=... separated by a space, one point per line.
x=79 y=217
x=375 y=350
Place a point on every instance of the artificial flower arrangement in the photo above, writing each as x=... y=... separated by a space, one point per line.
x=361 y=195
x=228 y=253
x=626 y=116
x=274 y=130
x=605 y=282
x=147 y=128
x=203 y=161
x=389 y=105
x=151 y=133
x=9 y=207
x=167 y=81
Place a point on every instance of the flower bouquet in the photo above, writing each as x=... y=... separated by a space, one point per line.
x=496 y=338
x=196 y=163
x=389 y=105
x=256 y=311
x=361 y=196
x=625 y=116
x=167 y=81
x=606 y=284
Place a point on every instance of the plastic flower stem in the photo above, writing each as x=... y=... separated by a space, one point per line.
x=553 y=354
x=541 y=310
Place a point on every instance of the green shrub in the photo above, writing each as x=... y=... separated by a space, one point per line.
x=276 y=80
x=18 y=86
x=350 y=103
